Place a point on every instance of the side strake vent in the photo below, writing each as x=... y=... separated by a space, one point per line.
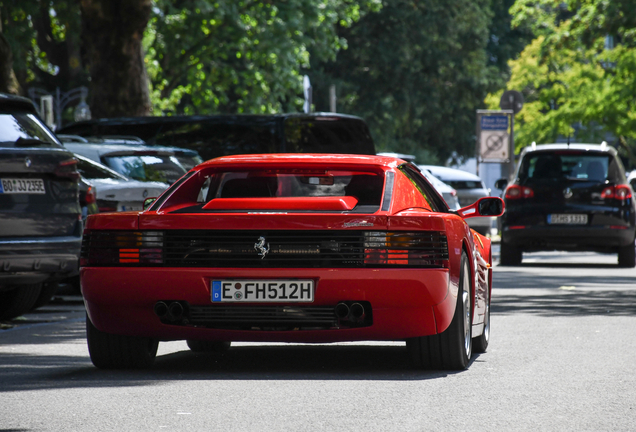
x=265 y=249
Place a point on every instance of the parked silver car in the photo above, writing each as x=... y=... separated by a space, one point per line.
x=114 y=191
x=448 y=193
x=469 y=189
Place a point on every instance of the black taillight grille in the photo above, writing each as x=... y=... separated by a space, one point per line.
x=265 y=249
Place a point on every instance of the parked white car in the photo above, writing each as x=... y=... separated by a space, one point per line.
x=469 y=189
x=448 y=193
x=114 y=191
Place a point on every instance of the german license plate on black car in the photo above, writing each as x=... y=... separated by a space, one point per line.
x=263 y=290
x=567 y=219
x=22 y=186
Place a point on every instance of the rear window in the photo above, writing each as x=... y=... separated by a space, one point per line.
x=466 y=184
x=583 y=166
x=92 y=171
x=165 y=169
x=366 y=187
x=19 y=129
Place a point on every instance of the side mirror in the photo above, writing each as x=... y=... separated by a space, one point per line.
x=148 y=202
x=488 y=206
x=501 y=183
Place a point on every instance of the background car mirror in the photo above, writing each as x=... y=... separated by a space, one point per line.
x=501 y=183
x=148 y=202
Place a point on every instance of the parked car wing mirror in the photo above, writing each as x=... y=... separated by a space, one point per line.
x=487 y=206
x=501 y=183
x=148 y=202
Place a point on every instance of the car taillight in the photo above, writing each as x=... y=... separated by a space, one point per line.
x=423 y=249
x=116 y=248
x=619 y=192
x=90 y=195
x=68 y=169
x=517 y=192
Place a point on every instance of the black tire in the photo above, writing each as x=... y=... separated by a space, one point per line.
x=627 y=256
x=110 y=351
x=510 y=255
x=480 y=343
x=451 y=349
x=46 y=294
x=203 y=346
x=18 y=300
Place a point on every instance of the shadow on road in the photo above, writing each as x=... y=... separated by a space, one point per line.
x=29 y=372
x=567 y=303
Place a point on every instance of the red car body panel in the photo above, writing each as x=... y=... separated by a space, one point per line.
x=406 y=302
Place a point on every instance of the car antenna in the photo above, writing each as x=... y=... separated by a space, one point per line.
x=568 y=140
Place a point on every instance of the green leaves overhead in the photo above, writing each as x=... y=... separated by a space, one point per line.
x=240 y=56
x=579 y=75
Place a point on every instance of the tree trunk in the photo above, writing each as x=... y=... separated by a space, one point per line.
x=8 y=81
x=112 y=31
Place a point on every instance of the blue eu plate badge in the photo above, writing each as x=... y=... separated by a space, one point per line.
x=216 y=291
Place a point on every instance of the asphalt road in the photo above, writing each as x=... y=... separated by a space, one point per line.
x=561 y=358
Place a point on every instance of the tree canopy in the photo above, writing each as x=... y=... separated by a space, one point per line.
x=578 y=75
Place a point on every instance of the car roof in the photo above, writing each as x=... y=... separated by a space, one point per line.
x=117 y=149
x=573 y=146
x=451 y=174
x=123 y=140
x=305 y=158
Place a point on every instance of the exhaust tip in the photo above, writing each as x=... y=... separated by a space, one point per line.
x=175 y=311
x=357 y=311
x=342 y=310
x=161 y=309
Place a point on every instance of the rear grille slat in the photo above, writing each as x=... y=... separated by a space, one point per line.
x=262 y=316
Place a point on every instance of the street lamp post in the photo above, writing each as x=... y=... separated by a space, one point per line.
x=62 y=99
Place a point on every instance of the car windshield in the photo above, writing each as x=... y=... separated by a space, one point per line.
x=23 y=125
x=581 y=166
x=146 y=167
x=465 y=184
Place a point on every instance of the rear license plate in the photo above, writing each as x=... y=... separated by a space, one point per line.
x=22 y=186
x=567 y=219
x=263 y=291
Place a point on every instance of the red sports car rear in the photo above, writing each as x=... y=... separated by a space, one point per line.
x=293 y=248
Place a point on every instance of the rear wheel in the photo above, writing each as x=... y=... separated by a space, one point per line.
x=18 y=300
x=627 y=256
x=110 y=351
x=452 y=348
x=510 y=255
x=208 y=346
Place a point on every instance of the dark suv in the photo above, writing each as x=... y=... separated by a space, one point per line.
x=568 y=197
x=222 y=135
x=40 y=216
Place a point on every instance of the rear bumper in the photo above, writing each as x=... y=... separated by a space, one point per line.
x=28 y=260
x=588 y=238
x=405 y=303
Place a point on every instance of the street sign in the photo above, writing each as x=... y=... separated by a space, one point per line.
x=494 y=136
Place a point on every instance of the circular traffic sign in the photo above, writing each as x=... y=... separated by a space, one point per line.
x=511 y=100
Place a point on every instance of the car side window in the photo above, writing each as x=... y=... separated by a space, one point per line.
x=436 y=203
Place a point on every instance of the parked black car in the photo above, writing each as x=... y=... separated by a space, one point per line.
x=41 y=226
x=222 y=135
x=568 y=197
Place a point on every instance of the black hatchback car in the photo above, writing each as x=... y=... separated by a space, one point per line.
x=40 y=216
x=572 y=197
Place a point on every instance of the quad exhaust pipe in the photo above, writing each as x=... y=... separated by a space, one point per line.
x=354 y=313
x=170 y=311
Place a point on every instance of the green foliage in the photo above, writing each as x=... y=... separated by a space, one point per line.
x=574 y=81
x=210 y=56
x=416 y=71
